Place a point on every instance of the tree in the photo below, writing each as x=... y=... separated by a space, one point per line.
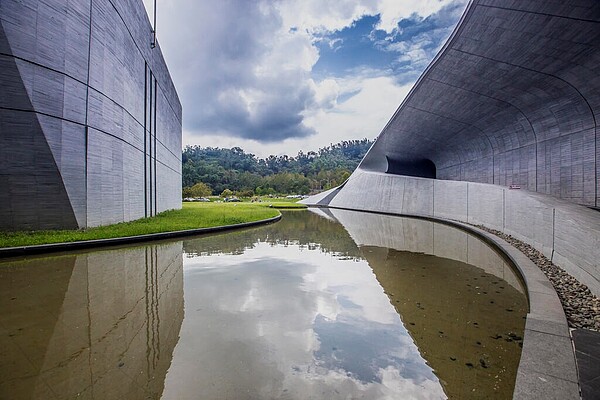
x=226 y=193
x=238 y=171
x=200 y=189
x=186 y=192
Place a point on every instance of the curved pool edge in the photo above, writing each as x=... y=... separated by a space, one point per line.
x=7 y=252
x=547 y=368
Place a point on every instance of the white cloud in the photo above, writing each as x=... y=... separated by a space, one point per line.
x=362 y=115
x=264 y=341
x=317 y=16
x=393 y=11
x=243 y=71
x=365 y=113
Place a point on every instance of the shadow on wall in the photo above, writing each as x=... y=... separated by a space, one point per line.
x=101 y=324
x=422 y=168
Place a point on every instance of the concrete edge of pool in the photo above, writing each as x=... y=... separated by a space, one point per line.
x=547 y=369
x=89 y=244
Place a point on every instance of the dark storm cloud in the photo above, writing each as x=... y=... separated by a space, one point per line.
x=216 y=59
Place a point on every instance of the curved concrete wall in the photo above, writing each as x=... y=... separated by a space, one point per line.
x=566 y=233
x=90 y=122
x=512 y=98
x=426 y=237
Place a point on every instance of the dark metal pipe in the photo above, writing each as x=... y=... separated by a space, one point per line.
x=153 y=44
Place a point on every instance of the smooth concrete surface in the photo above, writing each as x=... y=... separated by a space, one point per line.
x=566 y=233
x=547 y=369
x=90 y=122
x=427 y=237
x=513 y=97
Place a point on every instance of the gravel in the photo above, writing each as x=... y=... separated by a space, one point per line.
x=582 y=308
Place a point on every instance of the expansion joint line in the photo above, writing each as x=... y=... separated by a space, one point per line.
x=87 y=107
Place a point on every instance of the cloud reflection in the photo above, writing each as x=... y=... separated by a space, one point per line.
x=287 y=322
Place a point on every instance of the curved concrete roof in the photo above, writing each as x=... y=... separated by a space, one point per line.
x=512 y=98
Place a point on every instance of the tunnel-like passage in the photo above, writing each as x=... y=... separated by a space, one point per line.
x=421 y=167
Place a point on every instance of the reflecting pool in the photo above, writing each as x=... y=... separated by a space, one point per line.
x=325 y=304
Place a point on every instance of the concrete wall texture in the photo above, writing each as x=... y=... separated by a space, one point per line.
x=90 y=122
x=512 y=98
x=566 y=233
x=426 y=237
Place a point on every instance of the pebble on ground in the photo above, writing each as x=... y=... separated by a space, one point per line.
x=582 y=308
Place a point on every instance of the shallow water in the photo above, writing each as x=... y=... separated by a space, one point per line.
x=374 y=307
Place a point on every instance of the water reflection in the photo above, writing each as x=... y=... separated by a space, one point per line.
x=466 y=321
x=97 y=325
x=288 y=322
x=327 y=304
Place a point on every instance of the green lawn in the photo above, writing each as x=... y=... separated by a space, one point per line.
x=272 y=202
x=191 y=216
x=281 y=204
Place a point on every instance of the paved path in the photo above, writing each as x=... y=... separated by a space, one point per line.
x=587 y=353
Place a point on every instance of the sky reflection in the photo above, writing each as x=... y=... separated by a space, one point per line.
x=283 y=321
x=351 y=306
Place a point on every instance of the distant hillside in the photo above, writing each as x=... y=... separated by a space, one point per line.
x=245 y=174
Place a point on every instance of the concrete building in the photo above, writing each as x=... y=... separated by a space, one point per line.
x=90 y=122
x=513 y=98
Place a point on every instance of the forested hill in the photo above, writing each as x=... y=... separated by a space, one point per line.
x=242 y=172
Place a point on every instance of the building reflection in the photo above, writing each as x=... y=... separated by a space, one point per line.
x=459 y=299
x=97 y=325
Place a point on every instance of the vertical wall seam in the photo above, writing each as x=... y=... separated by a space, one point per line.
x=468 y=203
x=150 y=144
x=155 y=171
x=433 y=202
x=595 y=162
x=553 y=232
x=145 y=138
x=87 y=107
x=493 y=168
x=503 y=210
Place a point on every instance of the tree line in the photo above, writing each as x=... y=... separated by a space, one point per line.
x=211 y=170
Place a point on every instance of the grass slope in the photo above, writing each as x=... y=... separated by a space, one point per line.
x=191 y=216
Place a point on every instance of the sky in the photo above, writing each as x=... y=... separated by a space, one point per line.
x=280 y=76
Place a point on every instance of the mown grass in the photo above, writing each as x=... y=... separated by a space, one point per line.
x=271 y=202
x=191 y=216
x=282 y=205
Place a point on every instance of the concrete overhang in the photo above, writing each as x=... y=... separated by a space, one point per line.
x=513 y=97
